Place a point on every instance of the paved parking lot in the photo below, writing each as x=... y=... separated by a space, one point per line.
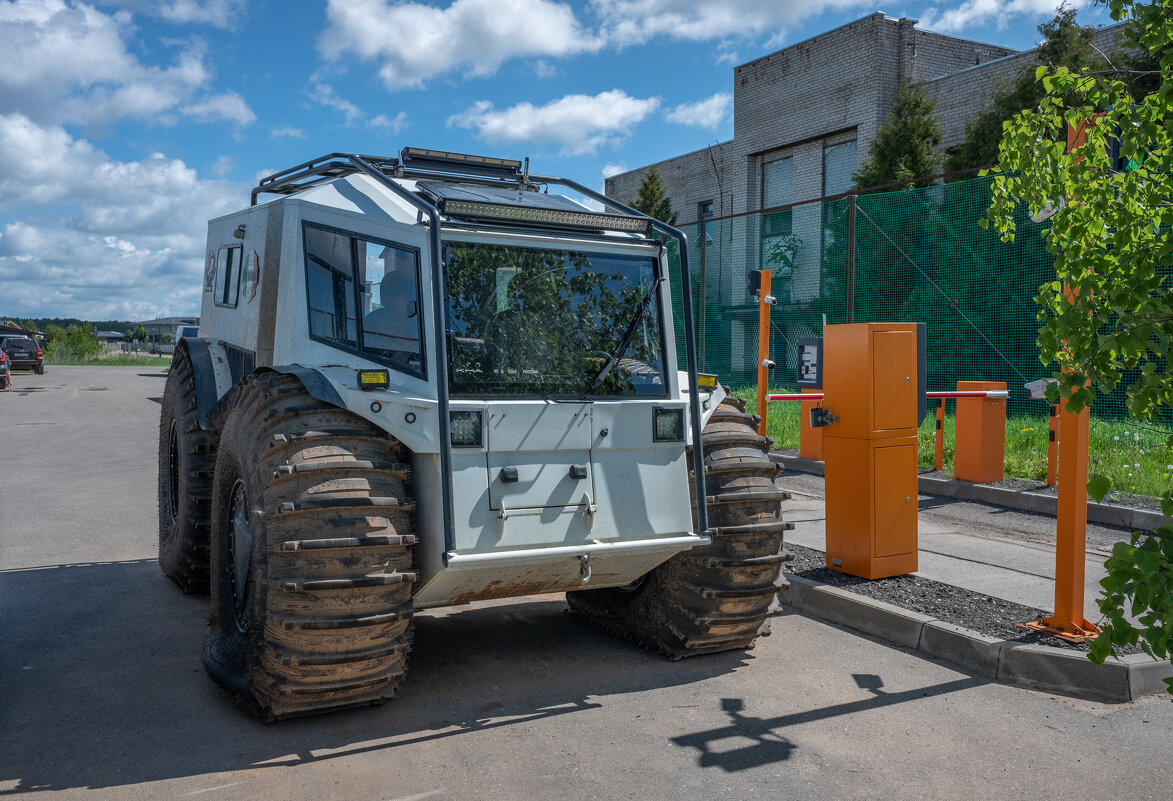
x=102 y=694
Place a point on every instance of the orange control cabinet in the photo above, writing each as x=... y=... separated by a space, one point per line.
x=870 y=384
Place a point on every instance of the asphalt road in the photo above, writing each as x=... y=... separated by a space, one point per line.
x=102 y=695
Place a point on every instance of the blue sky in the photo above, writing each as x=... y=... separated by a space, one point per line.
x=126 y=124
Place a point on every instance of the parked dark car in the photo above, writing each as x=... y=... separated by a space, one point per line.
x=5 y=371
x=24 y=353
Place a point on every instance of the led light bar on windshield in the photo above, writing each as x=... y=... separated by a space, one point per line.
x=578 y=220
x=458 y=162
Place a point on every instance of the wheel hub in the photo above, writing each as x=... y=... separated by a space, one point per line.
x=173 y=473
x=240 y=545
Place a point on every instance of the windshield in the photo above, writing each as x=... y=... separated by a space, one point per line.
x=546 y=322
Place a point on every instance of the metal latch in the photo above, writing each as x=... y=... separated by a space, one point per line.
x=822 y=417
x=578 y=471
x=508 y=475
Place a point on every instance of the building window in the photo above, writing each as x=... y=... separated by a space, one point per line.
x=776 y=237
x=839 y=164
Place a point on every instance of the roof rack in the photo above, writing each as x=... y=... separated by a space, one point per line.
x=413 y=162
x=317 y=171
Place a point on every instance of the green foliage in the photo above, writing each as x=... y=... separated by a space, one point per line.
x=76 y=343
x=1140 y=577
x=140 y=334
x=1111 y=307
x=1066 y=44
x=652 y=200
x=906 y=146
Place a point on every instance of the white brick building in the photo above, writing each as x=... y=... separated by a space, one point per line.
x=805 y=115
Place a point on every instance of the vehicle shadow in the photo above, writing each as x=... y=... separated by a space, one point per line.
x=102 y=684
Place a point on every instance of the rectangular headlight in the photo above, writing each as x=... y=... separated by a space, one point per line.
x=706 y=381
x=466 y=429
x=373 y=379
x=668 y=425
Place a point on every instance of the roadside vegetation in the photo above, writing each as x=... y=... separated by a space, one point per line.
x=1133 y=456
x=79 y=345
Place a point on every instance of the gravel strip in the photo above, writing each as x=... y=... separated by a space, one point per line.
x=993 y=617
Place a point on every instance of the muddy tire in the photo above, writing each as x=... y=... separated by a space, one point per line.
x=187 y=457
x=718 y=597
x=312 y=555
x=39 y=369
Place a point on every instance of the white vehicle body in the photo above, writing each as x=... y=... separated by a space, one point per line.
x=561 y=493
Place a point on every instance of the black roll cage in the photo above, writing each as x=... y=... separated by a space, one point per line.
x=383 y=170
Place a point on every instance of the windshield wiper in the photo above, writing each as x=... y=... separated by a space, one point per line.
x=628 y=335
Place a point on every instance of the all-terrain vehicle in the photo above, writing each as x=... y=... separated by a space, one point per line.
x=423 y=381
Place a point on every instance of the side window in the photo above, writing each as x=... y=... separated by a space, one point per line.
x=330 y=273
x=227 y=288
x=364 y=296
x=392 y=328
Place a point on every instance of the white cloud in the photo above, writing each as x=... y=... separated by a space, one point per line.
x=63 y=63
x=99 y=238
x=707 y=113
x=324 y=94
x=610 y=169
x=217 y=13
x=287 y=132
x=983 y=12
x=579 y=123
x=389 y=125
x=223 y=166
x=228 y=106
x=627 y=22
x=412 y=42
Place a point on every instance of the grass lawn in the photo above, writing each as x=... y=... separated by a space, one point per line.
x=1133 y=456
x=115 y=359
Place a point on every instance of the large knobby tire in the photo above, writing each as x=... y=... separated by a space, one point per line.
x=312 y=555
x=717 y=597
x=187 y=457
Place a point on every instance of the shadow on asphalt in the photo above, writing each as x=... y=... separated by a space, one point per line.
x=767 y=744
x=102 y=684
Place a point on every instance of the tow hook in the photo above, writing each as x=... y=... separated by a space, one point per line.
x=584 y=568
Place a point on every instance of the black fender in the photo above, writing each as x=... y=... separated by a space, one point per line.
x=212 y=408
x=314 y=382
x=204 y=376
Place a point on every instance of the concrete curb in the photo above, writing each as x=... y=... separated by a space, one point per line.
x=1022 y=500
x=1036 y=667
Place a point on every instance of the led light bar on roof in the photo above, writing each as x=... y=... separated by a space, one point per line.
x=578 y=220
x=458 y=162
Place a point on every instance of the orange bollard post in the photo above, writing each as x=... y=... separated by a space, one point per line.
x=764 y=363
x=1052 y=444
x=1068 y=622
x=980 y=438
x=939 y=445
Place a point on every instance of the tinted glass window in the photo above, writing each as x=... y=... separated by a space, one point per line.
x=364 y=297
x=228 y=276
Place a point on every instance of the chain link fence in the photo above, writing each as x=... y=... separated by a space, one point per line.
x=910 y=255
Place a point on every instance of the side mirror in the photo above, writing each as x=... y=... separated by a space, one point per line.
x=413 y=308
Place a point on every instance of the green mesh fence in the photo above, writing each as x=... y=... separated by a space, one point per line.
x=919 y=256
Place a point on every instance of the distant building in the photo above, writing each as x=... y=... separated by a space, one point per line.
x=165 y=326
x=110 y=337
x=803 y=117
